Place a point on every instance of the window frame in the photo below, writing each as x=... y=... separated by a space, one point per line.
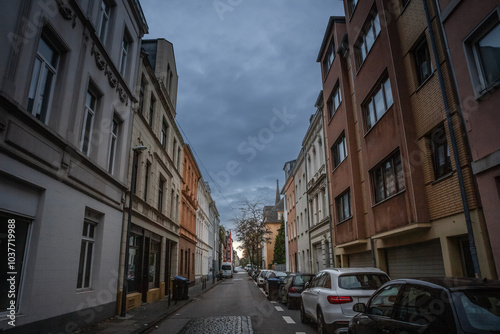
x=380 y=167
x=104 y=17
x=164 y=134
x=340 y=202
x=161 y=185
x=476 y=71
x=124 y=50
x=329 y=56
x=41 y=101
x=86 y=266
x=146 y=180
x=152 y=104
x=371 y=26
x=369 y=107
x=422 y=45
x=86 y=138
x=435 y=144
x=341 y=141
x=334 y=101
x=113 y=142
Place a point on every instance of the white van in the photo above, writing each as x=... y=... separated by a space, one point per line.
x=227 y=269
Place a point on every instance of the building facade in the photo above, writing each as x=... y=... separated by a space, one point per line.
x=317 y=191
x=302 y=215
x=66 y=97
x=204 y=250
x=213 y=239
x=189 y=207
x=382 y=96
x=154 y=227
x=290 y=217
x=475 y=66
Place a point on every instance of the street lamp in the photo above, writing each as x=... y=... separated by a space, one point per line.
x=138 y=149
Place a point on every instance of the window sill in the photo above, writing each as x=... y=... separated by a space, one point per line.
x=378 y=120
x=486 y=93
x=335 y=168
x=388 y=198
x=425 y=81
x=442 y=178
x=343 y=221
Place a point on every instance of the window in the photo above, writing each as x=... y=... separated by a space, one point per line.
x=160 y=195
x=334 y=101
x=154 y=265
x=112 y=145
x=86 y=255
x=388 y=178
x=352 y=5
x=339 y=151
x=329 y=57
x=88 y=122
x=362 y=281
x=367 y=38
x=146 y=180
x=152 y=110
x=42 y=80
x=422 y=61
x=104 y=15
x=164 y=132
x=440 y=152
x=134 y=261
x=377 y=104
x=9 y=247
x=124 y=55
x=343 y=205
x=383 y=302
x=482 y=48
x=142 y=88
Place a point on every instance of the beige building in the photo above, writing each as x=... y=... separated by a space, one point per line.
x=154 y=231
x=67 y=77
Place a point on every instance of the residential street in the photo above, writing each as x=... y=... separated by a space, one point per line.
x=226 y=308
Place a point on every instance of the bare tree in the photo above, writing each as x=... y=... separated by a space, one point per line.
x=251 y=229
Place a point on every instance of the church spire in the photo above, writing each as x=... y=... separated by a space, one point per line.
x=278 y=197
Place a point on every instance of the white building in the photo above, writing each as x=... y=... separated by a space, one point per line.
x=67 y=76
x=301 y=212
x=317 y=191
x=214 y=240
x=204 y=251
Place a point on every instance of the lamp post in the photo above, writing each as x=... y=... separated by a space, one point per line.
x=136 y=150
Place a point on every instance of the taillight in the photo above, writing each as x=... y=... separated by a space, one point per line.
x=339 y=299
x=292 y=290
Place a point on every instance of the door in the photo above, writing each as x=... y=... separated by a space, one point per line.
x=311 y=294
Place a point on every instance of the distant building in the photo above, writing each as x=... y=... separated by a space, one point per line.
x=290 y=217
x=67 y=76
x=204 y=250
x=154 y=233
x=273 y=215
x=189 y=207
x=302 y=215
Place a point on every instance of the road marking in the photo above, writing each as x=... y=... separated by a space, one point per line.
x=300 y=333
x=288 y=320
x=273 y=302
x=279 y=308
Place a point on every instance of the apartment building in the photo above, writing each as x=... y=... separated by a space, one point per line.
x=317 y=191
x=204 y=251
x=68 y=71
x=288 y=192
x=396 y=186
x=273 y=215
x=472 y=35
x=303 y=241
x=189 y=207
x=153 y=230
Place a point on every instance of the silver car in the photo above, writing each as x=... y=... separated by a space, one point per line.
x=329 y=297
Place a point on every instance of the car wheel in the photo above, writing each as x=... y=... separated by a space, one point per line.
x=303 y=317
x=321 y=323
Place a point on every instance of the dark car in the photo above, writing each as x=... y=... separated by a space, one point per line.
x=430 y=305
x=291 y=288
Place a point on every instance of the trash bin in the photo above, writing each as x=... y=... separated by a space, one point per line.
x=273 y=285
x=180 y=288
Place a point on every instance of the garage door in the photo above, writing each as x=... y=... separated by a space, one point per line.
x=418 y=260
x=360 y=260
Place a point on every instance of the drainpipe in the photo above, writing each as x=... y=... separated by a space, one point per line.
x=465 y=204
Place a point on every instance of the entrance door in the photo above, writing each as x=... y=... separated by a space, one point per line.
x=145 y=271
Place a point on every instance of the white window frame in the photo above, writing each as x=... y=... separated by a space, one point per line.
x=339 y=147
x=113 y=143
x=343 y=202
x=370 y=107
x=476 y=70
x=334 y=101
x=125 y=46
x=371 y=29
x=87 y=241
x=104 y=18
x=89 y=112
x=39 y=93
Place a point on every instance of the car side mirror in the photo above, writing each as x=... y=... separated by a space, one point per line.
x=359 y=307
x=306 y=285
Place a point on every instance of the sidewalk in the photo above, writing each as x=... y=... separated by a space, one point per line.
x=140 y=319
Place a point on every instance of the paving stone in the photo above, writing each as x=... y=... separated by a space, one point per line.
x=219 y=325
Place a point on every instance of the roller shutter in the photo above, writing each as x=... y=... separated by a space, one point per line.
x=360 y=260
x=418 y=260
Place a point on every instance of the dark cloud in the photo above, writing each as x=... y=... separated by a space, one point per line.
x=248 y=81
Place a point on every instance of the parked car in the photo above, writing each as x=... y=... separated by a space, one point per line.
x=261 y=278
x=329 y=297
x=431 y=305
x=292 y=287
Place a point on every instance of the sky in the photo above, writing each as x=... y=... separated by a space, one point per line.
x=248 y=82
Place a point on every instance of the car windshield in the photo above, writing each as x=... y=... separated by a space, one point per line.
x=479 y=310
x=362 y=281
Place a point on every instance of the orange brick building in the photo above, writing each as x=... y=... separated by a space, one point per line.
x=394 y=181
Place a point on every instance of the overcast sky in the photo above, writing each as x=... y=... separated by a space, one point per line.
x=248 y=81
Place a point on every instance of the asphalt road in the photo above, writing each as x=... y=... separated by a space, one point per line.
x=236 y=305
